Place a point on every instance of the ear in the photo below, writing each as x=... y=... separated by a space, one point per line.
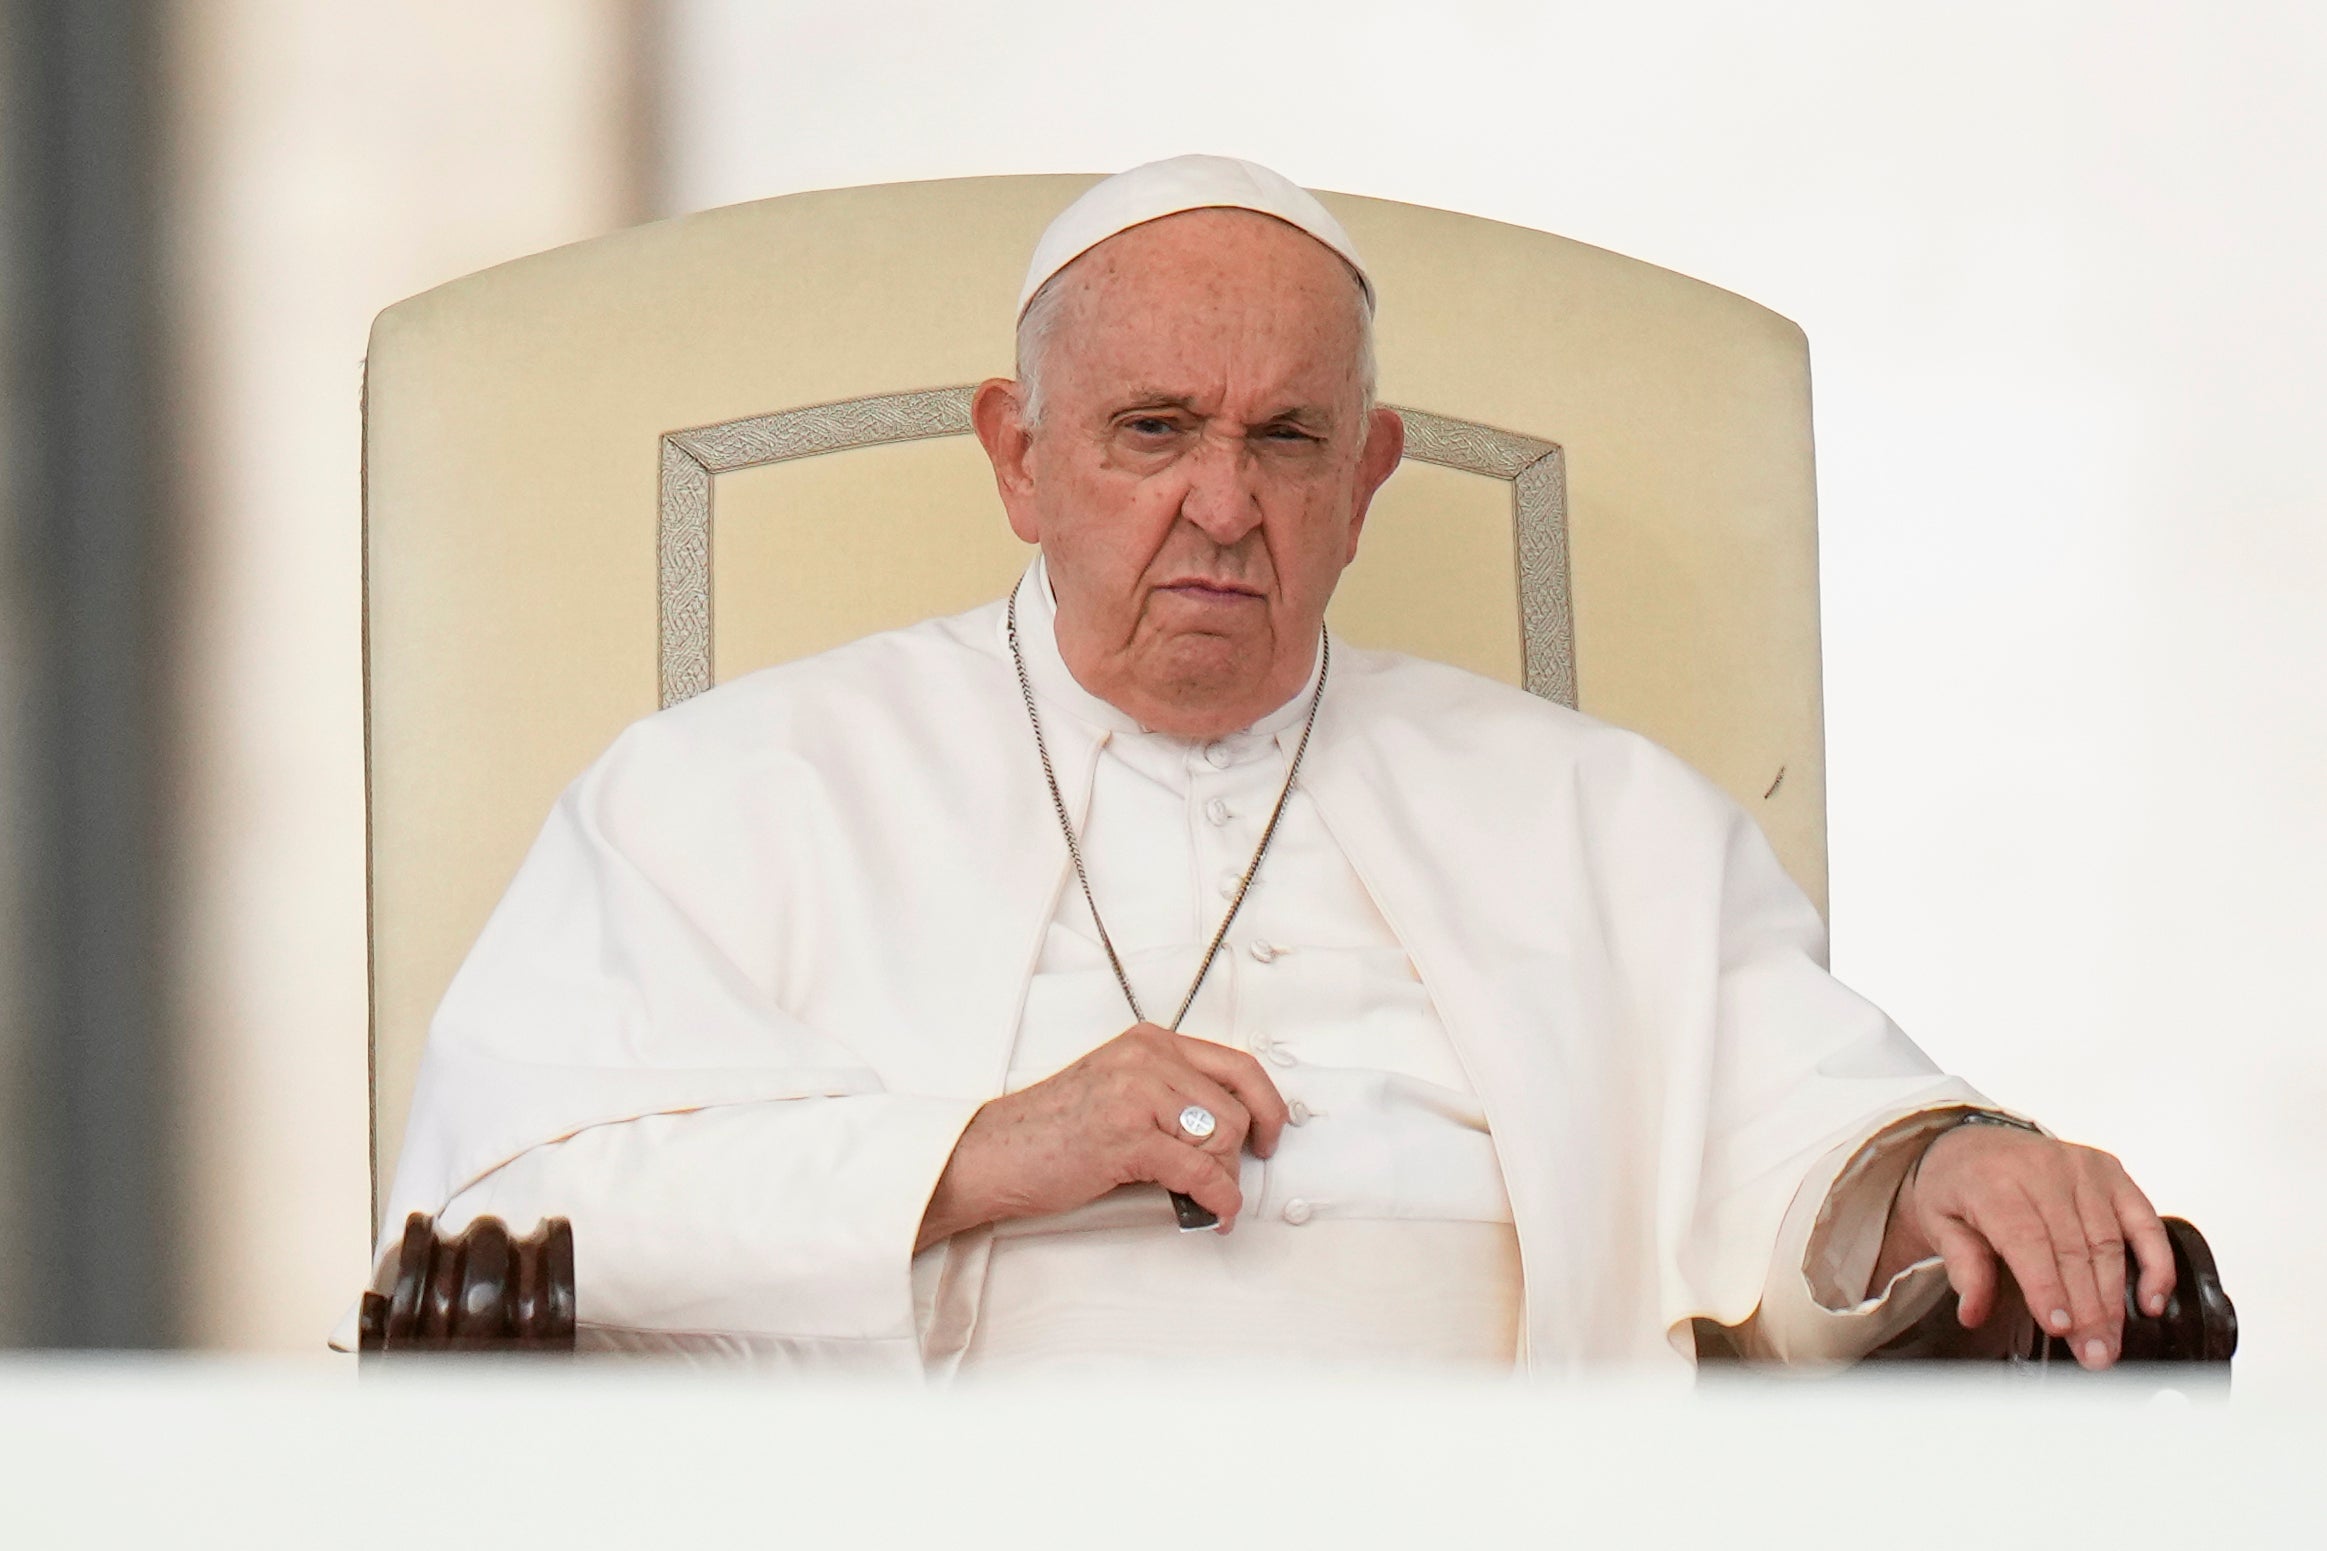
x=996 y=412
x=1385 y=444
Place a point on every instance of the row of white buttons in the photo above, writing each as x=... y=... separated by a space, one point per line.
x=1217 y=813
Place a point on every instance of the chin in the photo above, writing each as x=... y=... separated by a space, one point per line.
x=1203 y=689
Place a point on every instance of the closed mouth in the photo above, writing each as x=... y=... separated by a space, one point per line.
x=1210 y=591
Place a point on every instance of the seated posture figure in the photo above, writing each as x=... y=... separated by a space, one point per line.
x=855 y=1011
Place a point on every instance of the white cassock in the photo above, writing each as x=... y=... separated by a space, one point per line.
x=1566 y=1067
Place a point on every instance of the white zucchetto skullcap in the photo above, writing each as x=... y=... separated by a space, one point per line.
x=1164 y=188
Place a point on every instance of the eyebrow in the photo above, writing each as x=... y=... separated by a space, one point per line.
x=1141 y=399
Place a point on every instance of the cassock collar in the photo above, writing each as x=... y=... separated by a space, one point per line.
x=1055 y=683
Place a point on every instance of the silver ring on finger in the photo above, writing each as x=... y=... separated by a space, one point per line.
x=1196 y=1123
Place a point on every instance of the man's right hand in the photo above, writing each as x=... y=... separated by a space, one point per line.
x=1112 y=1118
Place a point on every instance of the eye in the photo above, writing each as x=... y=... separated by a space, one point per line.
x=1148 y=425
x=1287 y=434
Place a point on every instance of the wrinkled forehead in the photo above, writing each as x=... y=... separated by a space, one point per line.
x=1232 y=266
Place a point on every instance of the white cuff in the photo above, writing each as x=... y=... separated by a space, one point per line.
x=1817 y=1306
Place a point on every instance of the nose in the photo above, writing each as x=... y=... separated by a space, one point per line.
x=1222 y=498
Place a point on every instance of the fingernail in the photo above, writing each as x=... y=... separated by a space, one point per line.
x=2096 y=1352
x=2157 y=1303
x=2060 y=1319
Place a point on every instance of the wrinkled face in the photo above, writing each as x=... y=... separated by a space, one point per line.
x=1202 y=467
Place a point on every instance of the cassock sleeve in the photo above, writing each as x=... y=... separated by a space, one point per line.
x=1818 y=1305
x=1797 y=1107
x=617 y=1051
x=779 y=1230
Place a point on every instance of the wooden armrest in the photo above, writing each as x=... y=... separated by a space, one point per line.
x=480 y=1292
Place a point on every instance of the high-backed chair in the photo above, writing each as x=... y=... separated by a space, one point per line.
x=601 y=479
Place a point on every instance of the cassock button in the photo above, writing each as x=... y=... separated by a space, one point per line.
x=1216 y=811
x=1216 y=755
x=1266 y=952
x=1297 y=1112
x=1228 y=883
x=1296 y=1212
x=1280 y=1055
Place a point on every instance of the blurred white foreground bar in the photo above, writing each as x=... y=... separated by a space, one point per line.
x=212 y=1452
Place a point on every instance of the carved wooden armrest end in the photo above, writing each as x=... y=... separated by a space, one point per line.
x=482 y=1291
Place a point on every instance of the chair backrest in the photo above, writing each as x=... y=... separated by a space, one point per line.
x=603 y=478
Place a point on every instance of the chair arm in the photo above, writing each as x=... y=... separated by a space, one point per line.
x=480 y=1292
x=487 y=1292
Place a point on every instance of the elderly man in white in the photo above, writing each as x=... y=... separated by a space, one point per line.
x=855 y=1010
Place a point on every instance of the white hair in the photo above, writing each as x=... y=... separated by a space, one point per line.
x=1038 y=328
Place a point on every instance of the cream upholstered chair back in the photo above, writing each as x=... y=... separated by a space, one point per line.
x=601 y=479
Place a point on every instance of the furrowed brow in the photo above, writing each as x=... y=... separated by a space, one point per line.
x=1317 y=419
x=1139 y=399
x=1314 y=419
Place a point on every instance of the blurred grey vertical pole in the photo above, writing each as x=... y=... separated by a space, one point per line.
x=643 y=108
x=85 y=535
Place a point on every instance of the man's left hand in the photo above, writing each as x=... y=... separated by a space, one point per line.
x=2058 y=1215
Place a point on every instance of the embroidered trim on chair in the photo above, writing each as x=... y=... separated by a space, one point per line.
x=1537 y=473
x=1535 y=470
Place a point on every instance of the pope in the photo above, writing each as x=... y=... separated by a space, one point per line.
x=855 y=1011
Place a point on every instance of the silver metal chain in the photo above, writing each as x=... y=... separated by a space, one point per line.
x=1075 y=850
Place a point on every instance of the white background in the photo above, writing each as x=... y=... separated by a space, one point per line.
x=2057 y=263
x=2059 y=266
